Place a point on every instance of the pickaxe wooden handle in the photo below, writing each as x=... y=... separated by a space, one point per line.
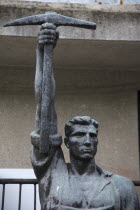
x=57 y=20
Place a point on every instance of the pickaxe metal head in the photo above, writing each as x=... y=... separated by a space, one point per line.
x=54 y=18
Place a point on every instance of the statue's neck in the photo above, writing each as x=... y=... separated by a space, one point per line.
x=82 y=167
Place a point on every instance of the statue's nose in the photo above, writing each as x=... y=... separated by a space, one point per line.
x=87 y=140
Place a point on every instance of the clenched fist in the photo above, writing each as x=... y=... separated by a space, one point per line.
x=48 y=34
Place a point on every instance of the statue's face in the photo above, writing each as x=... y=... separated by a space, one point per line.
x=83 y=142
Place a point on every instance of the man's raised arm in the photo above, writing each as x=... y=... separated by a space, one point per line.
x=48 y=35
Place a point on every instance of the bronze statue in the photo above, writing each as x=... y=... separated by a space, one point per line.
x=80 y=184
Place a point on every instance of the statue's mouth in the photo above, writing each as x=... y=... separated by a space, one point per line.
x=87 y=150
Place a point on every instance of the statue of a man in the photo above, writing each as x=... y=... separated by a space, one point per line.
x=80 y=184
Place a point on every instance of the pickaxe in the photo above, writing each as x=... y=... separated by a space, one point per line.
x=57 y=20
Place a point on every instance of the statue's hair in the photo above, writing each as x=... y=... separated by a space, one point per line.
x=80 y=120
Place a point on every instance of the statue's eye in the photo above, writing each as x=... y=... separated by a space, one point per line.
x=93 y=135
x=79 y=134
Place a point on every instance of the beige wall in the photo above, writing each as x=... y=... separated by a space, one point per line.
x=116 y=112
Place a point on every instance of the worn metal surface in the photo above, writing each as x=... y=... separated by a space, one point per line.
x=81 y=183
x=54 y=18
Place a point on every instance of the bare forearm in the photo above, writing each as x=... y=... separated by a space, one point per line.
x=46 y=118
x=38 y=87
x=38 y=93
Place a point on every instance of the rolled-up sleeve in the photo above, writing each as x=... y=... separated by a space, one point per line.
x=41 y=162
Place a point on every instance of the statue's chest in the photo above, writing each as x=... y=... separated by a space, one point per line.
x=81 y=193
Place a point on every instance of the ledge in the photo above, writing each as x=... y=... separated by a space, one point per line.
x=92 y=7
x=114 y=22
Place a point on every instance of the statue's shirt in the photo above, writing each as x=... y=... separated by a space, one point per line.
x=61 y=190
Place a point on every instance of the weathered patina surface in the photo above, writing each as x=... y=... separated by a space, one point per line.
x=80 y=184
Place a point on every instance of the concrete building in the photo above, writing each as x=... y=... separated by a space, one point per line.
x=97 y=74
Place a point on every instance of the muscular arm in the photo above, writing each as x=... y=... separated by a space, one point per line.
x=129 y=198
x=38 y=95
x=40 y=161
x=127 y=192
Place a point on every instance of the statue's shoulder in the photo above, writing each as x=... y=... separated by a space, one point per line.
x=123 y=184
x=127 y=191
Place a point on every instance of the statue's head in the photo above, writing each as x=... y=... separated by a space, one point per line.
x=81 y=137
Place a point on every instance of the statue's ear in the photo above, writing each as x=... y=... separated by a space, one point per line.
x=66 y=140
